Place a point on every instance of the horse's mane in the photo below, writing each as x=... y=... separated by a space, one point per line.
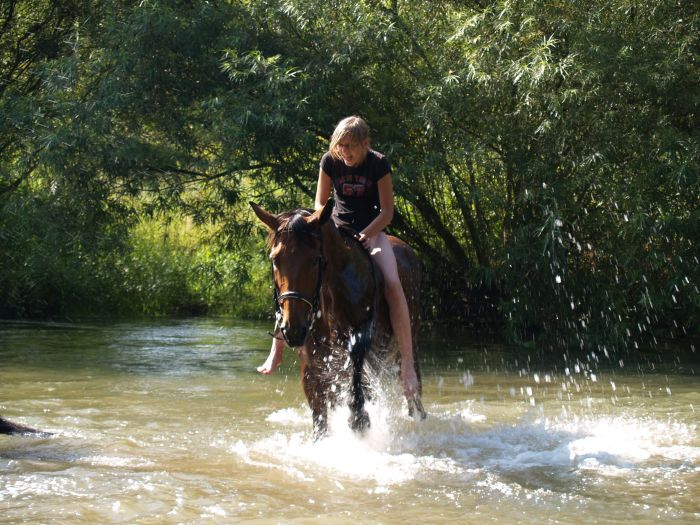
x=291 y=222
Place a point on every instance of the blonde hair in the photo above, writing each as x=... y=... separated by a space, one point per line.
x=353 y=127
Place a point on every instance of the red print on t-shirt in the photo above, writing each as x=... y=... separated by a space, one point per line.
x=353 y=190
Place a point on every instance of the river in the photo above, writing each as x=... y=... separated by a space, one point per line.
x=168 y=422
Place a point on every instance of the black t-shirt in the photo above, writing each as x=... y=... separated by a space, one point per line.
x=355 y=189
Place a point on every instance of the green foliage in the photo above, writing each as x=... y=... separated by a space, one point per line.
x=177 y=267
x=49 y=244
x=545 y=153
x=153 y=268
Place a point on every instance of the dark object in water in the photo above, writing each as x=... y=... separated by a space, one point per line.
x=8 y=427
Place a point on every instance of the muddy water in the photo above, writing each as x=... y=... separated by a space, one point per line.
x=168 y=423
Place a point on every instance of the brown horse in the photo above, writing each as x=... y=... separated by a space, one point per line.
x=329 y=304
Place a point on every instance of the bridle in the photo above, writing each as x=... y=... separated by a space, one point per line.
x=312 y=302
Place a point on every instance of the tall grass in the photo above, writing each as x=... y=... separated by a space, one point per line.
x=176 y=267
x=155 y=267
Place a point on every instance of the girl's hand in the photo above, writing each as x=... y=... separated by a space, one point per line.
x=364 y=240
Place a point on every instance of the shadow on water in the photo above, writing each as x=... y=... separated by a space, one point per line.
x=49 y=452
x=455 y=346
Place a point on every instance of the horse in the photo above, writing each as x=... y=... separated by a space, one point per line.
x=330 y=306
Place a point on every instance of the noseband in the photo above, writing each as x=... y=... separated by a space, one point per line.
x=312 y=302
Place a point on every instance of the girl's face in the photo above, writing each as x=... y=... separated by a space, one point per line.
x=352 y=152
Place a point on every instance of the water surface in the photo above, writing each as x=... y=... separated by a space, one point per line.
x=168 y=422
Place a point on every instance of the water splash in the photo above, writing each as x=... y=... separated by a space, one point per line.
x=458 y=440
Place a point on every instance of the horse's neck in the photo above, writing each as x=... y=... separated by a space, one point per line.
x=340 y=250
x=349 y=277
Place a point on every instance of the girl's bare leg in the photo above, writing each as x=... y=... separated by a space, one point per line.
x=274 y=359
x=401 y=324
x=398 y=311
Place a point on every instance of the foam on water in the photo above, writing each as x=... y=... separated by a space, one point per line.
x=380 y=455
x=457 y=441
x=588 y=443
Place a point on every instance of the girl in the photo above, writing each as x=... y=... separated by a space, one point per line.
x=364 y=201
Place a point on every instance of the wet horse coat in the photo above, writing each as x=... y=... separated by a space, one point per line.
x=330 y=305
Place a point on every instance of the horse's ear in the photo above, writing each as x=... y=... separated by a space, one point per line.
x=270 y=220
x=322 y=215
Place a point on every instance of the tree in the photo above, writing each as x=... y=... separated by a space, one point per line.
x=545 y=152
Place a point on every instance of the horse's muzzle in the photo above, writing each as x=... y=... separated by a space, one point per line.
x=295 y=335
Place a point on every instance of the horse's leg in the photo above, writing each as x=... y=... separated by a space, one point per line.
x=316 y=397
x=415 y=402
x=410 y=280
x=359 y=418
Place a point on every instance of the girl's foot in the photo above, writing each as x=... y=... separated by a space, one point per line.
x=273 y=360
x=410 y=380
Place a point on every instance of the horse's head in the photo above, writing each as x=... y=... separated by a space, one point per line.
x=296 y=253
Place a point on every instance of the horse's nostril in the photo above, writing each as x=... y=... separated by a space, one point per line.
x=295 y=336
